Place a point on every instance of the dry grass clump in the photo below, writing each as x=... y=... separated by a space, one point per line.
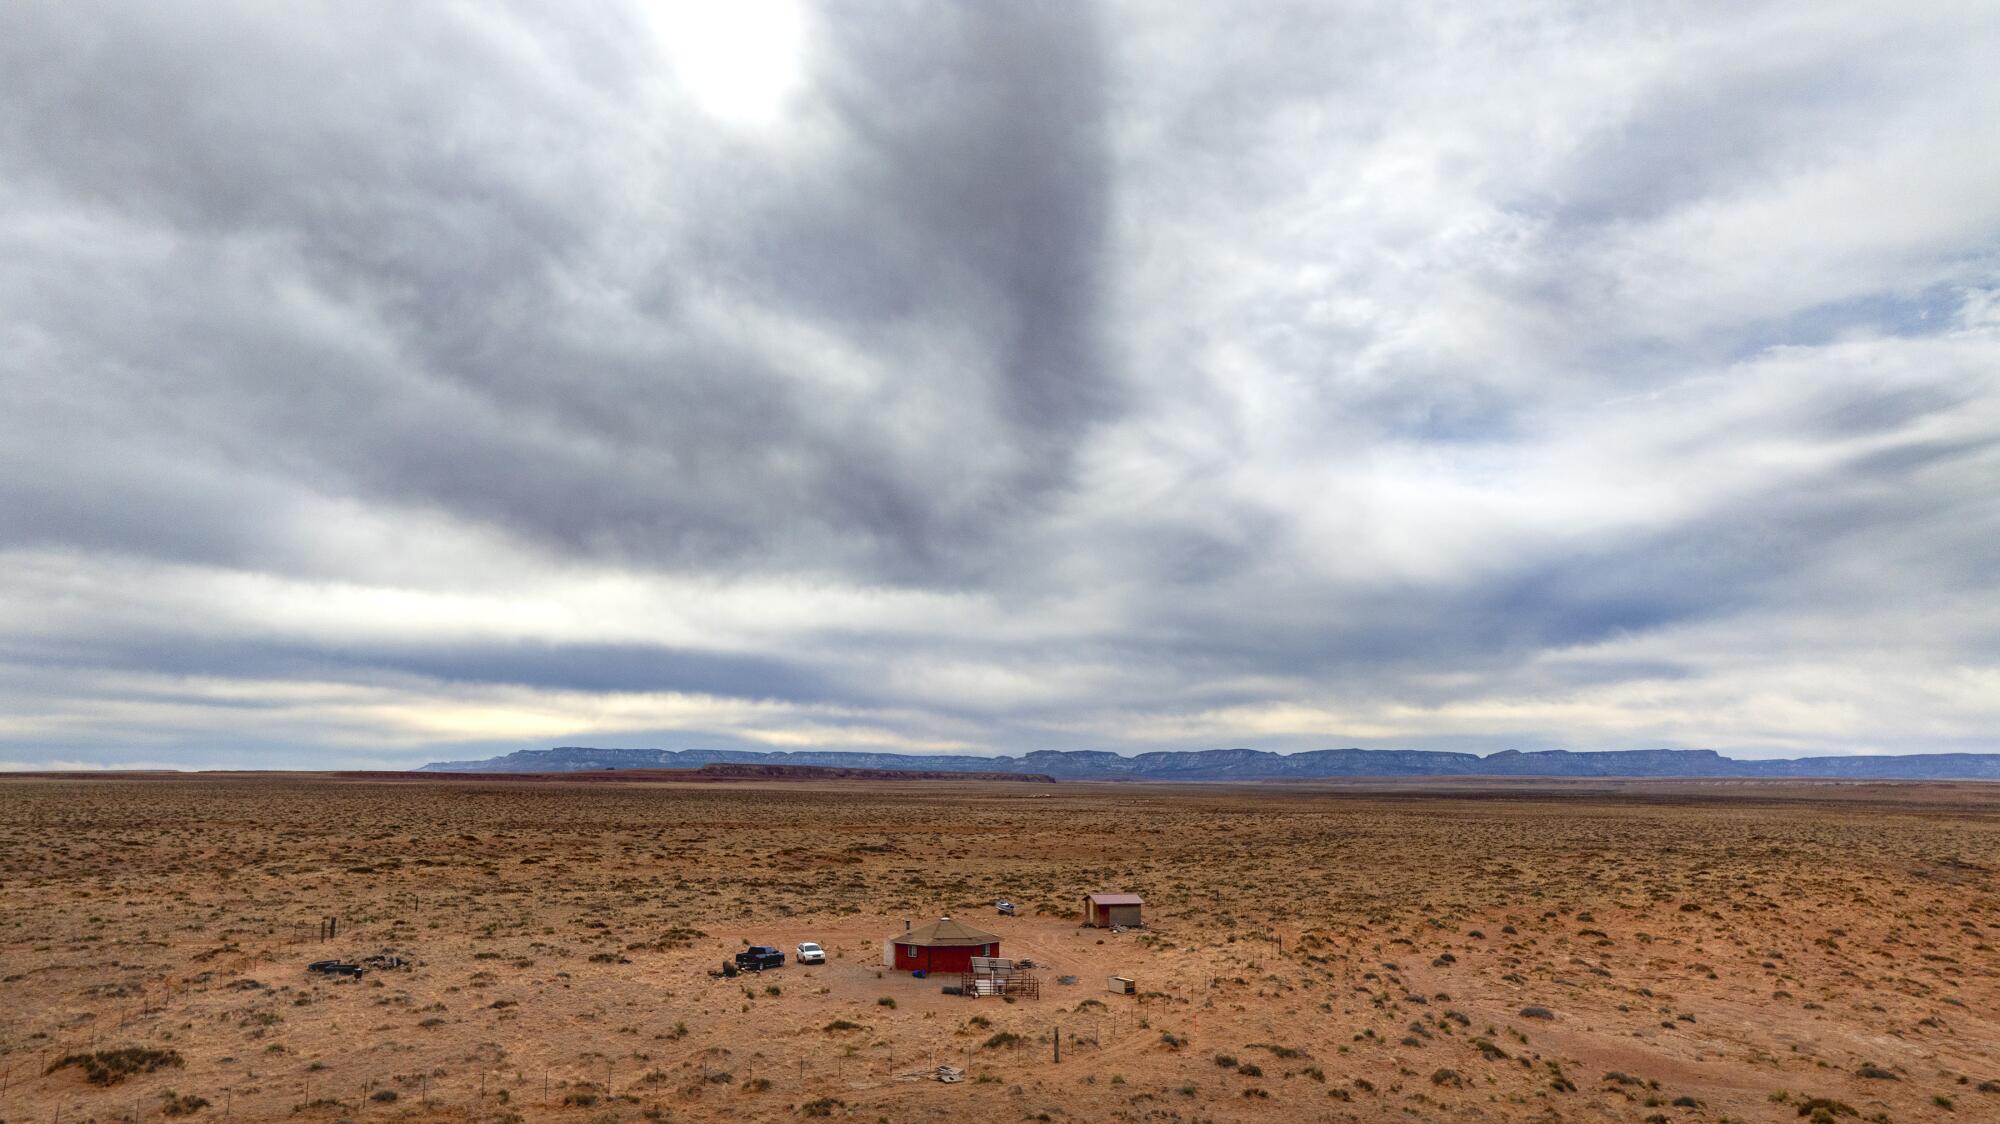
x=109 y=1067
x=181 y=1104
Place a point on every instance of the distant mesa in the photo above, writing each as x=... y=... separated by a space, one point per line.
x=537 y=770
x=1247 y=764
x=788 y=771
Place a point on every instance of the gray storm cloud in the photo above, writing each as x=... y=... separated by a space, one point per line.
x=381 y=381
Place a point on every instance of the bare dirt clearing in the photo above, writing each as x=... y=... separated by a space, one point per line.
x=1459 y=951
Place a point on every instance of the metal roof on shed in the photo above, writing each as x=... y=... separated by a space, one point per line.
x=1115 y=899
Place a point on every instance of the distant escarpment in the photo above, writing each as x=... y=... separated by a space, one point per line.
x=1252 y=764
x=742 y=771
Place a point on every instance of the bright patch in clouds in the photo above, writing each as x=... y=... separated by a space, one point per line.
x=738 y=60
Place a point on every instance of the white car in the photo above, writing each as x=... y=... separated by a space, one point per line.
x=811 y=953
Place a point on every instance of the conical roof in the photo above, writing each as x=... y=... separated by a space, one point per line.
x=945 y=933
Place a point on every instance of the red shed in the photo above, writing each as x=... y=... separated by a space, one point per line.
x=1106 y=910
x=943 y=945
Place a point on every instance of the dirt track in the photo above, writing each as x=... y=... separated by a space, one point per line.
x=1361 y=952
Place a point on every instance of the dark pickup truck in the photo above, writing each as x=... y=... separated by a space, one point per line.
x=758 y=957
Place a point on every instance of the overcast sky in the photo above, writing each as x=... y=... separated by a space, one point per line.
x=388 y=382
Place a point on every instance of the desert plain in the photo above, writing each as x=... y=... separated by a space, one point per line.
x=1477 y=951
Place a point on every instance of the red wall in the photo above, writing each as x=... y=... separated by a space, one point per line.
x=909 y=958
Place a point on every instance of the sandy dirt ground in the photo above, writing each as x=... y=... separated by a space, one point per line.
x=1496 y=951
